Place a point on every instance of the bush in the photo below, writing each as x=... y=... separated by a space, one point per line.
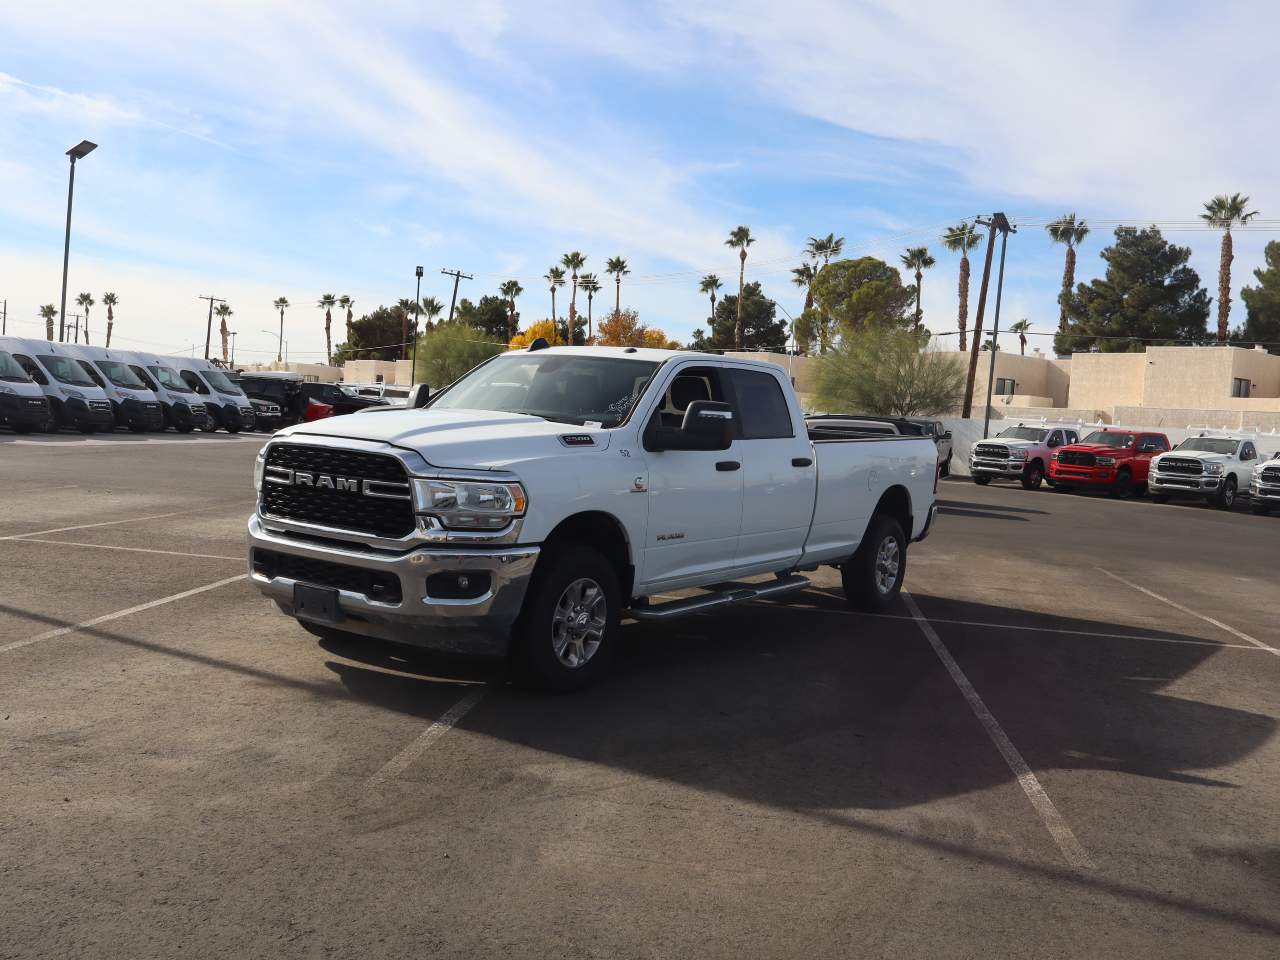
x=888 y=373
x=449 y=351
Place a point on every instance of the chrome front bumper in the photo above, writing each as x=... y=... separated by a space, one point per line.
x=999 y=468
x=479 y=625
x=1188 y=485
x=1264 y=491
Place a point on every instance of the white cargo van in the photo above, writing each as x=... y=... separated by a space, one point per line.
x=225 y=403
x=22 y=403
x=183 y=409
x=74 y=399
x=132 y=401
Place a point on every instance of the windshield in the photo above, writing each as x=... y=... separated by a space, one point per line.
x=120 y=375
x=11 y=371
x=170 y=380
x=1107 y=438
x=1024 y=433
x=1210 y=445
x=66 y=370
x=560 y=387
x=218 y=380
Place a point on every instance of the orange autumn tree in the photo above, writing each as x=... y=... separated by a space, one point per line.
x=622 y=328
x=543 y=328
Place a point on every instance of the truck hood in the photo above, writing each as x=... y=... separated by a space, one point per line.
x=1204 y=456
x=456 y=439
x=1017 y=444
x=1100 y=449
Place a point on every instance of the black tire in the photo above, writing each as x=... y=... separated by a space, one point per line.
x=1259 y=509
x=946 y=466
x=184 y=428
x=1226 y=498
x=864 y=576
x=1033 y=475
x=568 y=579
x=23 y=427
x=233 y=426
x=1122 y=487
x=1159 y=498
x=209 y=426
x=981 y=479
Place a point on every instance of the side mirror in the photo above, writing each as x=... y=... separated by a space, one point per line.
x=946 y=435
x=418 y=396
x=1053 y=442
x=707 y=425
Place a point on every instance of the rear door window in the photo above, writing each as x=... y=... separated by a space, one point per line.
x=763 y=413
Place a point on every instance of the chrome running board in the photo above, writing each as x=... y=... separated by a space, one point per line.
x=722 y=598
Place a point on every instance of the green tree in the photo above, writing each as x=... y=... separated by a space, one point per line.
x=886 y=371
x=281 y=304
x=224 y=312
x=851 y=294
x=990 y=344
x=490 y=316
x=761 y=328
x=431 y=310
x=591 y=286
x=617 y=268
x=85 y=300
x=110 y=300
x=555 y=277
x=1262 y=303
x=1021 y=328
x=1225 y=212
x=326 y=303
x=918 y=260
x=573 y=262
x=739 y=239
x=1148 y=294
x=48 y=313
x=1069 y=232
x=374 y=336
x=449 y=351
x=960 y=239
x=511 y=289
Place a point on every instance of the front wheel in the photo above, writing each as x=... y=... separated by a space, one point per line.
x=568 y=632
x=1226 y=497
x=1122 y=486
x=981 y=479
x=872 y=578
x=1033 y=476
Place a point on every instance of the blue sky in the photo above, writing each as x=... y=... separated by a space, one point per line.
x=258 y=149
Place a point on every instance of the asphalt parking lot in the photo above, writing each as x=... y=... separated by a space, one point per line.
x=1063 y=744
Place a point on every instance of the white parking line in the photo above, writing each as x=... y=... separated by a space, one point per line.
x=63 y=631
x=402 y=760
x=1057 y=827
x=108 y=546
x=112 y=523
x=1177 y=606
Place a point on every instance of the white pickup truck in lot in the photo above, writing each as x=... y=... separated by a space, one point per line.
x=1264 y=487
x=533 y=502
x=1019 y=453
x=1206 y=467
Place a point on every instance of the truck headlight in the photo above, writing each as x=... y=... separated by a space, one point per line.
x=7 y=390
x=259 y=464
x=1106 y=461
x=1213 y=469
x=73 y=394
x=1016 y=454
x=469 y=505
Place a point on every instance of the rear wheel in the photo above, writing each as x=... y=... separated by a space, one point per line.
x=1033 y=475
x=981 y=479
x=1226 y=497
x=872 y=578
x=567 y=633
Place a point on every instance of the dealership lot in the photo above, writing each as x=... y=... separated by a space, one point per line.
x=1063 y=744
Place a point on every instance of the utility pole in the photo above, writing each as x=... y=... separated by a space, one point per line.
x=208 y=330
x=977 y=322
x=75 y=328
x=1005 y=230
x=417 y=312
x=457 y=275
x=4 y=319
x=233 y=348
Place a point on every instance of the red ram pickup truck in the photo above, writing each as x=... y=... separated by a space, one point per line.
x=1113 y=460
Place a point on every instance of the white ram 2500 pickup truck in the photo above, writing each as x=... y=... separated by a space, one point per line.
x=1207 y=467
x=537 y=499
x=1019 y=453
x=1264 y=488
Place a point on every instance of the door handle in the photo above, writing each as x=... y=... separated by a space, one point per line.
x=801 y=462
x=727 y=466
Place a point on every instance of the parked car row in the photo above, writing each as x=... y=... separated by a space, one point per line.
x=1127 y=463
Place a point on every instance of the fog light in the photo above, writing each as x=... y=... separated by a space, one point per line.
x=460 y=585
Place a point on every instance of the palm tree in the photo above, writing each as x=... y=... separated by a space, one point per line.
x=346 y=303
x=326 y=303
x=406 y=308
x=85 y=300
x=919 y=260
x=222 y=311
x=962 y=238
x=280 y=303
x=110 y=300
x=711 y=285
x=990 y=344
x=554 y=276
x=591 y=286
x=48 y=313
x=618 y=267
x=1021 y=328
x=1070 y=231
x=739 y=239
x=1224 y=212
x=573 y=262
x=432 y=308
x=803 y=276
x=824 y=248
x=511 y=289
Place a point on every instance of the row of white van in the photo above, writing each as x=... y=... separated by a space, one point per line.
x=51 y=386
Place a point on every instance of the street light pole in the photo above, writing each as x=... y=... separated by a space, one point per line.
x=417 y=312
x=81 y=149
x=233 y=348
x=208 y=330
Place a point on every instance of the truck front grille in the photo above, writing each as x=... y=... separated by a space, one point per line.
x=991 y=451
x=100 y=406
x=1077 y=458
x=1271 y=475
x=374 y=584
x=300 y=483
x=1182 y=466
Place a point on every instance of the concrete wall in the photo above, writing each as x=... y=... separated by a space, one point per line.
x=1101 y=381
x=1033 y=375
x=314 y=372
x=394 y=372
